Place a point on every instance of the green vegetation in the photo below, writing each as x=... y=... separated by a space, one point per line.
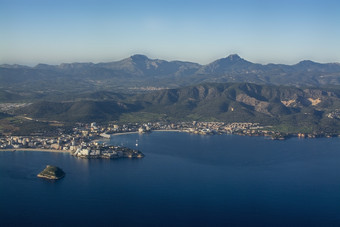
x=137 y=117
x=21 y=127
x=288 y=109
x=52 y=173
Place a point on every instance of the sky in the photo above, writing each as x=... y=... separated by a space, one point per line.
x=261 y=31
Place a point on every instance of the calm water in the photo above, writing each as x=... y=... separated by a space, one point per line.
x=183 y=180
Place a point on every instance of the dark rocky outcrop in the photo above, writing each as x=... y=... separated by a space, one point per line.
x=52 y=173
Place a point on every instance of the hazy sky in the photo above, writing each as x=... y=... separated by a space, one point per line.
x=56 y=31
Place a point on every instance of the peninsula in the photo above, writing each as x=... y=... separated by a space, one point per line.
x=108 y=152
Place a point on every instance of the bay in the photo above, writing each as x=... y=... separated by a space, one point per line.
x=184 y=180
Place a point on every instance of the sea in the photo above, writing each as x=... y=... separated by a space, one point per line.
x=183 y=180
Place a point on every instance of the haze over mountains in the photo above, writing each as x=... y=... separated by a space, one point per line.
x=139 y=73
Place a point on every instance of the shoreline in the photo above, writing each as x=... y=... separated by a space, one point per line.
x=36 y=149
x=280 y=137
x=130 y=133
x=127 y=133
x=122 y=133
x=284 y=136
x=171 y=130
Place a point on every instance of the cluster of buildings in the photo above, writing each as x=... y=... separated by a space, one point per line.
x=205 y=128
x=80 y=143
x=202 y=128
x=335 y=114
x=191 y=127
x=57 y=143
x=81 y=140
x=102 y=151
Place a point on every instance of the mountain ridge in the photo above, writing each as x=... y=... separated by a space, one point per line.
x=136 y=72
x=305 y=109
x=230 y=57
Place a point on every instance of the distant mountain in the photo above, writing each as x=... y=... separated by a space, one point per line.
x=140 y=65
x=139 y=73
x=290 y=108
x=232 y=63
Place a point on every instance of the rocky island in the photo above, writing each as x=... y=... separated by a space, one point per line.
x=51 y=173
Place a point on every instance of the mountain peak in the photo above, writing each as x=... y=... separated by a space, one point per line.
x=233 y=57
x=139 y=57
x=307 y=62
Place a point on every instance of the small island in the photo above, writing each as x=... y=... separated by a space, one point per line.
x=51 y=173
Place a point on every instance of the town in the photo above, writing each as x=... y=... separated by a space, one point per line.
x=84 y=139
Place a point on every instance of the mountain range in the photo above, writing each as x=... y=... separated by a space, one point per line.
x=138 y=73
x=304 y=97
x=288 y=108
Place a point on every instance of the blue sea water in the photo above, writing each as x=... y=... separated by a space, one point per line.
x=184 y=180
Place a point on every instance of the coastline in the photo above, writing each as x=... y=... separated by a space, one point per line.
x=36 y=149
x=277 y=136
x=122 y=133
x=171 y=130
x=126 y=133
